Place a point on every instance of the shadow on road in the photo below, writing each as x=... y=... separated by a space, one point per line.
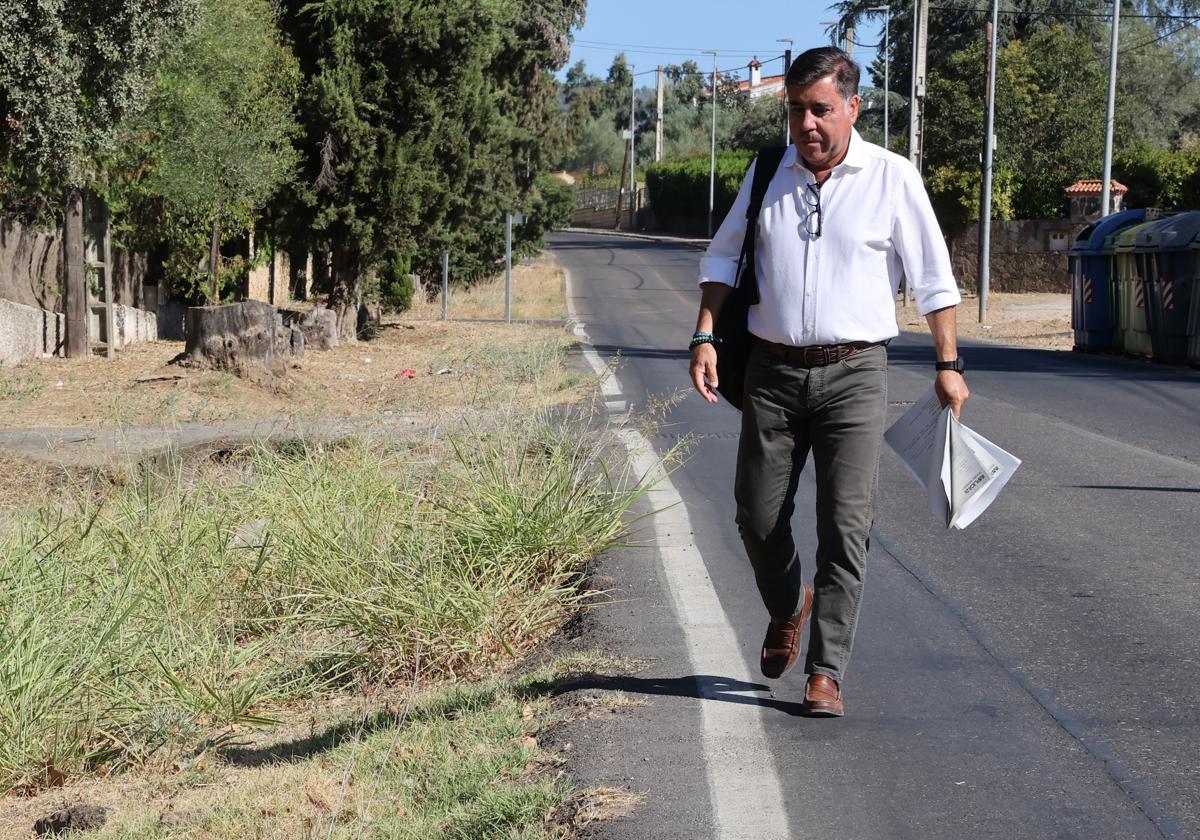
x=642 y=352
x=697 y=686
x=983 y=357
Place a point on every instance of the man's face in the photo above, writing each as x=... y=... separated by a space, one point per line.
x=820 y=121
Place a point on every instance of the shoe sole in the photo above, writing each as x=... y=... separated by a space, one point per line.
x=809 y=711
x=805 y=609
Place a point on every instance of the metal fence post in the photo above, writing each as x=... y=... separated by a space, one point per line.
x=445 y=285
x=508 y=223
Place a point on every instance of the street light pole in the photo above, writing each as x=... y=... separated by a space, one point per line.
x=985 y=210
x=1108 y=124
x=712 y=165
x=787 y=64
x=632 y=148
x=887 y=64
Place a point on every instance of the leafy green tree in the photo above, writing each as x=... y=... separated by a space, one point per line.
x=422 y=124
x=759 y=123
x=1157 y=177
x=599 y=148
x=215 y=142
x=686 y=83
x=69 y=73
x=1050 y=117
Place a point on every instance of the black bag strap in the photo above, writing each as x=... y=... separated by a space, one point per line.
x=767 y=163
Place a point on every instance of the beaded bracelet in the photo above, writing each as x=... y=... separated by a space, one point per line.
x=703 y=338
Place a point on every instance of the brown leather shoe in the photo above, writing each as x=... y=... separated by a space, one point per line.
x=823 y=697
x=782 y=642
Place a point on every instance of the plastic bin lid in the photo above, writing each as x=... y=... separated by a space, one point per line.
x=1150 y=237
x=1179 y=231
x=1092 y=238
x=1127 y=239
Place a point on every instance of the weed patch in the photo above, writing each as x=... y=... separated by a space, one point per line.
x=158 y=621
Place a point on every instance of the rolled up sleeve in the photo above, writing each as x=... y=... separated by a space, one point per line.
x=922 y=249
x=720 y=261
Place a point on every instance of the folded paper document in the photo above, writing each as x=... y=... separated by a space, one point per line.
x=961 y=471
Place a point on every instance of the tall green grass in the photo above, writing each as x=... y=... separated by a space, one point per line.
x=150 y=620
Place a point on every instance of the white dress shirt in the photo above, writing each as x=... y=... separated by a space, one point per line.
x=876 y=223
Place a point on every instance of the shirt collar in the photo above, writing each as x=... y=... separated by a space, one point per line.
x=856 y=154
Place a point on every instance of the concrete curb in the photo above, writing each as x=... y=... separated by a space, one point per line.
x=651 y=237
x=99 y=447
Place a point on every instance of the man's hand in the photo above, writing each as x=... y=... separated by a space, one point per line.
x=704 y=371
x=951 y=389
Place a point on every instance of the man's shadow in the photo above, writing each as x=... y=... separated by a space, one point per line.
x=697 y=686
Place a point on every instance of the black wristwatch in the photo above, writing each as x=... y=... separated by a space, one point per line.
x=957 y=365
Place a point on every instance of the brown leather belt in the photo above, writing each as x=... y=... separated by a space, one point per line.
x=816 y=355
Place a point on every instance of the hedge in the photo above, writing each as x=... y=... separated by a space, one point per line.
x=679 y=189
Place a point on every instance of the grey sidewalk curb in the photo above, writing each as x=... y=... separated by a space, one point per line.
x=651 y=237
x=100 y=447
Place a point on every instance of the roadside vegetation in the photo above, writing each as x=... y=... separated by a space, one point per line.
x=416 y=362
x=163 y=624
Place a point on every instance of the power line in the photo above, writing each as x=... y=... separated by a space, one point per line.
x=662 y=49
x=1104 y=15
x=701 y=73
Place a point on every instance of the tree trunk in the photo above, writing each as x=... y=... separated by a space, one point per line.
x=214 y=259
x=241 y=336
x=345 y=296
x=76 y=277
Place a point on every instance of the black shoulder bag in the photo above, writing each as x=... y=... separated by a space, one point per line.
x=734 y=338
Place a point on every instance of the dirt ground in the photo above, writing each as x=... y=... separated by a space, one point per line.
x=1032 y=319
x=417 y=362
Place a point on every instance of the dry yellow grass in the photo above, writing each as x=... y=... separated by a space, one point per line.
x=1030 y=319
x=538 y=295
x=417 y=362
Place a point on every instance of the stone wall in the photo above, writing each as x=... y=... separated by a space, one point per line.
x=27 y=332
x=31 y=270
x=1027 y=255
x=30 y=265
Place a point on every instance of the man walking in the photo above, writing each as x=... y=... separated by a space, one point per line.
x=841 y=220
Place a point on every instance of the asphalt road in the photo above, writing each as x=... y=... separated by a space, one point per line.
x=1035 y=676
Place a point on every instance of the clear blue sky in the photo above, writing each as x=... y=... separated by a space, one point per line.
x=651 y=32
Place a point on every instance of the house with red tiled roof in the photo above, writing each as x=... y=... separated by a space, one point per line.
x=1085 y=198
x=759 y=85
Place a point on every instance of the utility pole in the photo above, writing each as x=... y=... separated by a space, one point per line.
x=887 y=62
x=916 y=101
x=787 y=64
x=985 y=198
x=632 y=149
x=712 y=165
x=916 y=104
x=1108 y=124
x=837 y=31
x=658 y=121
x=77 y=343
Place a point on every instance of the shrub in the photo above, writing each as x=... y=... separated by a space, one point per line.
x=954 y=194
x=396 y=287
x=1157 y=177
x=679 y=189
x=554 y=206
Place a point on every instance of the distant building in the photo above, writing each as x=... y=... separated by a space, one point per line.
x=757 y=84
x=1085 y=198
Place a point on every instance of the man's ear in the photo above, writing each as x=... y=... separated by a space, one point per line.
x=852 y=108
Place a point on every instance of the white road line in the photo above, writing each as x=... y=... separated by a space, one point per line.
x=744 y=790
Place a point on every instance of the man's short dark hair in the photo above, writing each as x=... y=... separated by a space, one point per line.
x=815 y=64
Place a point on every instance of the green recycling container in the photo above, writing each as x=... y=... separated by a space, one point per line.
x=1169 y=299
x=1133 y=268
